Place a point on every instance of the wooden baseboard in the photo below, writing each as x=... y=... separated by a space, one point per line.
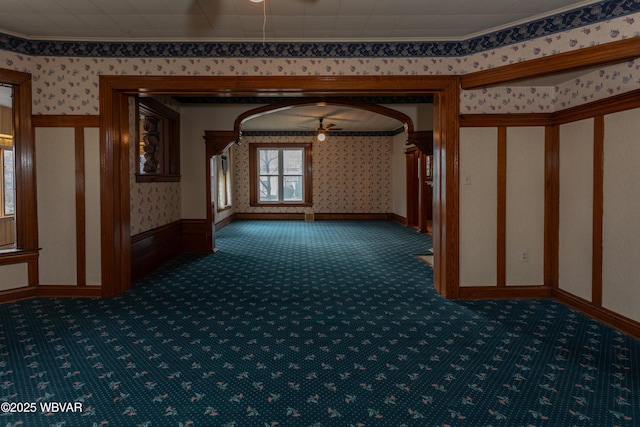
x=615 y=320
x=222 y=224
x=353 y=216
x=317 y=216
x=504 y=292
x=18 y=294
x=196 y=236
x=68 y=291
x=269 y=216
x=152 y=248
x=400 y=220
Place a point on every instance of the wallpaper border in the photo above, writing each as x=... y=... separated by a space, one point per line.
x=546 y=26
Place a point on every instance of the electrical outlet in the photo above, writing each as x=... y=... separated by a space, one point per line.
x=524 y=256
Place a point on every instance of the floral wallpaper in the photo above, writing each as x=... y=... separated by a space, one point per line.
x=350 y=174
x=598 y=85
x=153 y=204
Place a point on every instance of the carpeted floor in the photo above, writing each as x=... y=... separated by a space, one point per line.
x=310 y=324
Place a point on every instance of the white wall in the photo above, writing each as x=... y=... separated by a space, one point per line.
x=525 y=186
x=525 y=205
x=194 y=120
x=621 y=220
x=576 y=208
x=478 y=206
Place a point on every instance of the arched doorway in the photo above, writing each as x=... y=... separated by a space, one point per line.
x=114 y=140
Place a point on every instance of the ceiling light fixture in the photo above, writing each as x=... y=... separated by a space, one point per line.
x=321 y=135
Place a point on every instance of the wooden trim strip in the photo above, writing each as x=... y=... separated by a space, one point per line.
x=81 y=245
x=508 y=292
x=511 y=120
x=501 y=255
x=317 y=216
x=68 y=291
x=615 y=320
x=269 y=216
x=600 y=55
x=613 y=104
x=551 y=205
x=18 y=256
x=399 y=219
x=65 y=121
x=598 y=210
x=223 y=223
x=353 y=216
x=11 y=295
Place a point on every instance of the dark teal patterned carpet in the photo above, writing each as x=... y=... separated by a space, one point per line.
x=310 y=324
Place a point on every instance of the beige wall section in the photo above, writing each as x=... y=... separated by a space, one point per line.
x=399 y=175
x=621 y=221
x=525 y=206
x=14 y=276
x=55 y=154
x=478 y=206
x=576 y=208
x=194 y=120
x=92 y=205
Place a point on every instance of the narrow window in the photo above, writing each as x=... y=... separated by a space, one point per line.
x=224 y=181
x=7 y=173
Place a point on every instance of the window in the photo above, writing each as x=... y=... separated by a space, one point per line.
x=280 y=174
x=223 y=163
x=8 y=207
x=159 y=142
x=7 y=172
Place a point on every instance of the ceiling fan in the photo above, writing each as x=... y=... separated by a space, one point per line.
x=321 y=132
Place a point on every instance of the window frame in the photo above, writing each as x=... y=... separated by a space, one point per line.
x=254 y=175
x=26 y=223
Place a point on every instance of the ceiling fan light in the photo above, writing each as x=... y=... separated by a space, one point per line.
x=321 y=135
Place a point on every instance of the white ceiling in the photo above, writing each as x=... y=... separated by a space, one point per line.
x=242 y=20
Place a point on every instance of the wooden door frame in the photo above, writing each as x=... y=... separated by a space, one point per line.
x=115 y=139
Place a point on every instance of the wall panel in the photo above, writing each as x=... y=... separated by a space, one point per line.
x=92 y=209
x=621 y=221
x=399 y=176
x=56 y=184
x=478 y=206
x=525 y=206
x=14 y=276
x=576 y=208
